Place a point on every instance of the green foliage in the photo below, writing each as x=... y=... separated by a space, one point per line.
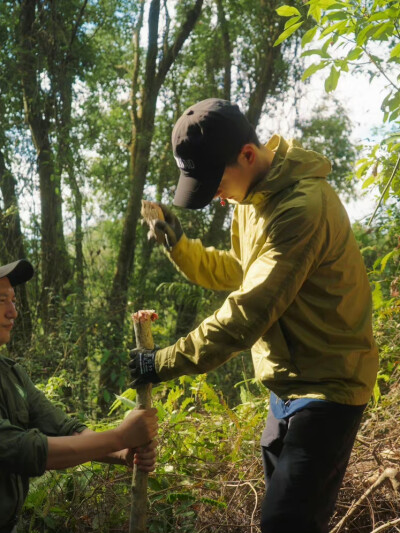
x=209 y=466
x=351 y=28
x=328 y=131
x=358 y=36
x=202 y=442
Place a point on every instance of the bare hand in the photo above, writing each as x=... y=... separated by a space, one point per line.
x=138 y=428
x=144 y=457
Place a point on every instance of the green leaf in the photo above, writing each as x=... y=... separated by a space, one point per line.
x=395 y=52
x=362 y=166
x=316 y=7
x=381 y=15
x=394 y=115
x=332 y=80
x=388 y=27
x=377 y=16
x=334 y=27
x=214 y=503
x=126 y=401
x=287 y=33
x=392 y=137
x=364 y=34
x=308 y=36
x=388 y=256
x=376 y=392
x=394 y=102
x=326 y=44
x=314 y=12
x=320 y=53
x=369 y=181
x=312 y=69
x=291 y=21
x=337 y=15
x=342 y=63
x=377 y=297
x=354 y=54
x=287 y=11
x=325 y=4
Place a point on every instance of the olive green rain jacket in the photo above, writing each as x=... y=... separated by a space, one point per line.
x=26 y=419
x=300 y=297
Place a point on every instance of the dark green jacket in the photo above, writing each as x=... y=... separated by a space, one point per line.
x=26 y=419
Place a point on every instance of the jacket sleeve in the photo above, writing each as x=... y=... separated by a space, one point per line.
x=213 y=269
x=270 y=286
x=22 y=451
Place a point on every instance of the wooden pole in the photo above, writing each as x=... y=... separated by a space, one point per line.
x=137 y=524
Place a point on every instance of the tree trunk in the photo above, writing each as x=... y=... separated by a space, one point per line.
x=38 y=112
x=65 y=164
x=142 y=134
x=11 y=249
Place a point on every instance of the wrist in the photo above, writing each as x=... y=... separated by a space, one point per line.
x=117 y=440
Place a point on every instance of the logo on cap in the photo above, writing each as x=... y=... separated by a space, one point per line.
x=186 y=164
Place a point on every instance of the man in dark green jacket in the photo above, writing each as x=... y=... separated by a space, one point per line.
x=36 y=436
x=299 y=298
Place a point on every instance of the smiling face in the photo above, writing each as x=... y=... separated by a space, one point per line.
x=8 y=312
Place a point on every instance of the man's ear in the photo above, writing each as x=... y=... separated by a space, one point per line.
x=248 y=153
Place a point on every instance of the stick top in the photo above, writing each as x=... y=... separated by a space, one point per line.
x=144 y=315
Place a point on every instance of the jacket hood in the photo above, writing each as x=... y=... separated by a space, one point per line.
x=291 y=164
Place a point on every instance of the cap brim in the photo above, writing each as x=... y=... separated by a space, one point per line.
x=195 y=194
x=18 y=272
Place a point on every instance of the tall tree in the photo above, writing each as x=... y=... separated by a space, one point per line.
x=39 y=112
x=11 y=248
x=158 y=61
x=12 y=244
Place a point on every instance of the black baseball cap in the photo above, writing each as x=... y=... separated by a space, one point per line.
x=204 y=139
x=17 y=272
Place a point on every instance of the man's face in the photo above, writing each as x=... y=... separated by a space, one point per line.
x=234 y=184
x=237 y=178
x=8 y=312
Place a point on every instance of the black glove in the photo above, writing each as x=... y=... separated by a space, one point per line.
x=170 y=226
x=143 y=367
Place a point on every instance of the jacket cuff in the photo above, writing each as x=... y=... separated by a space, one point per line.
x=164 y=372
x=32 y=454
x=179 y=251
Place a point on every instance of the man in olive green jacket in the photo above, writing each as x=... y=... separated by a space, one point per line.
x=36 y=436
x=300 y=299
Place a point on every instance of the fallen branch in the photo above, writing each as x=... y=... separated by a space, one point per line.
x=388 y=473
x=386 y=526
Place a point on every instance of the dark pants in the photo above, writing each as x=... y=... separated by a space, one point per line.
x=305 y=457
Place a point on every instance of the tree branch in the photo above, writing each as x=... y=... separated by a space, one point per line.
x=227 y=49
x=172 y=52
x=136 y=65
x=152 y=48
x=77 y=24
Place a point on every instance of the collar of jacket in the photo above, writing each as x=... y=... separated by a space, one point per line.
x=291 y=163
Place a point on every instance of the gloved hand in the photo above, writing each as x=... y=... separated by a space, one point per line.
x=143 y=367
x=170 y=226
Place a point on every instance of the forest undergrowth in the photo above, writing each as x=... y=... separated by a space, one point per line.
x=209 y=472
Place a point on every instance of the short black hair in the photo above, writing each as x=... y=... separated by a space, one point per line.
x=251 y=138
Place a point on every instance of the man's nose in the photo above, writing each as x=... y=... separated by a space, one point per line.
x=12 y=310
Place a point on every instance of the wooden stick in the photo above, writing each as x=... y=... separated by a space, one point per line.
x=138 y=519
